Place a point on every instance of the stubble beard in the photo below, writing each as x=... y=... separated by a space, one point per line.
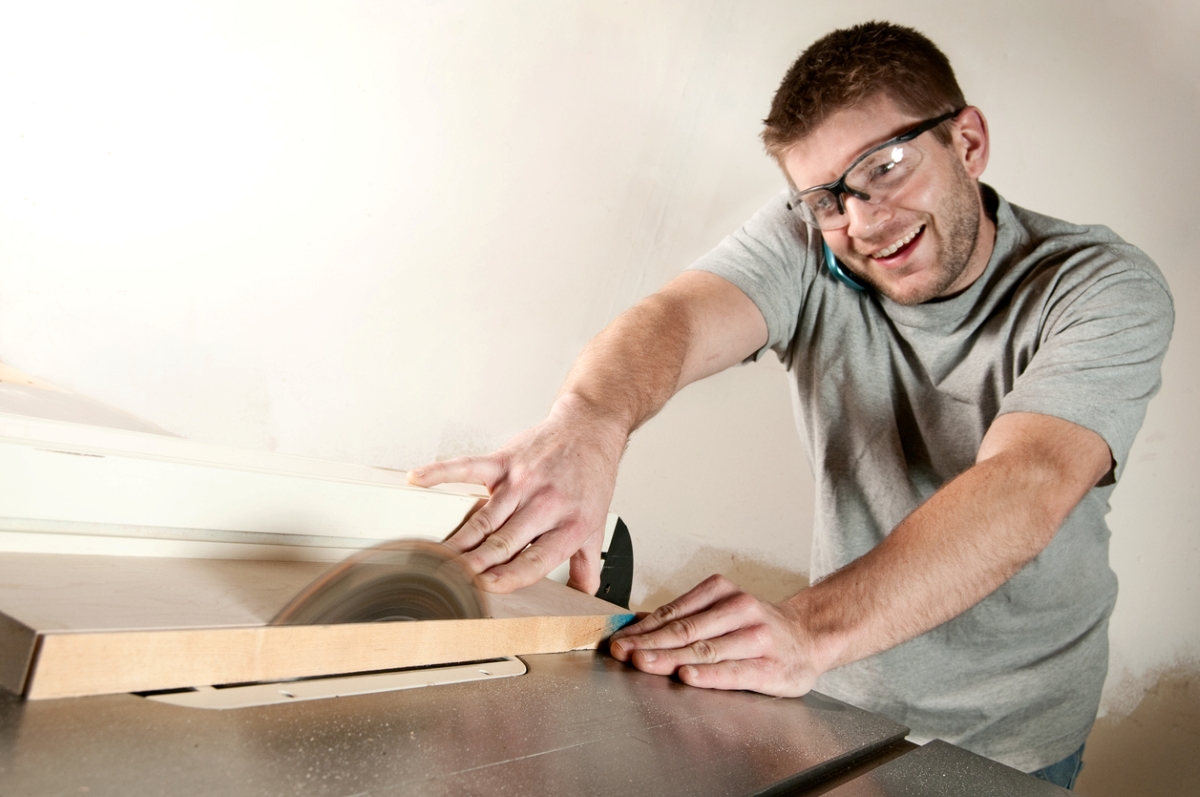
x=958 y=223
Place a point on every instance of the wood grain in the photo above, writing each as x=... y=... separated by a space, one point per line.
x=103 y=624
x=75 y=664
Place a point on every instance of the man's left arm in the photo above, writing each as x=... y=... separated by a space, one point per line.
x=954 y=550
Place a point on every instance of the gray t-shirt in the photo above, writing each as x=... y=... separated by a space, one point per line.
x=893 y=402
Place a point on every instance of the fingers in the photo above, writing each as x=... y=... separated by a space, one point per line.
x=549 y=490
x=757 y=675
x=511 y=541
x=744 y=643
x=700 y=638
x=585 y=566
x=676 y=620
x=497 y=533
x=500 y=538
x=491 y=516
x=532 y=563
x=466 y=470
x=719 y=637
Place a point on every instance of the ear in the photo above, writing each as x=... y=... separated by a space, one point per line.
x=971 y=140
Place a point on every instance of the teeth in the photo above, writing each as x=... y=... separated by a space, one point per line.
x=891 y=250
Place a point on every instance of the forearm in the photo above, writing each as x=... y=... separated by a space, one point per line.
x=696 y=326
x=630 y=370
x=949 y=554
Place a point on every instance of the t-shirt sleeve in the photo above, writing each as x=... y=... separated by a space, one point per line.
x=1099 y=359
x=770 y=259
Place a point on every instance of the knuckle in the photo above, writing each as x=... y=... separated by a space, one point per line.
x=516 y=472
x=686 y=627
x=760 y=637
x=573 y=529
x=666 y=613
x=500 y=544
x=704 y=651
x=539 y=557
x=551 y=494
x=552 y=504
x=717 y=580
x=743 y=602
x=481 y=522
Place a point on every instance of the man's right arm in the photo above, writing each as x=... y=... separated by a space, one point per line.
x=551 y=485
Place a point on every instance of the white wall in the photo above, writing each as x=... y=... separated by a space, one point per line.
x=380 y=232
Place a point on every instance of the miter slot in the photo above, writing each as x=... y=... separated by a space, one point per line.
x=227 y=696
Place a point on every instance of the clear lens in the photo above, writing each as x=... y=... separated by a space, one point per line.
x=818 y=208
x=874 y=179
x=884 y=170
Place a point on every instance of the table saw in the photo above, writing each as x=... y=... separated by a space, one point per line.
x=138 y=576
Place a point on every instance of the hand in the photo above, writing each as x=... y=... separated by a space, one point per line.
x=718 y=636
x=550 y=489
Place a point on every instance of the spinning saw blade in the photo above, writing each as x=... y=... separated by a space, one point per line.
x=398 y=580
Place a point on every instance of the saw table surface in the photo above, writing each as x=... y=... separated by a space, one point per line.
x=577 y=723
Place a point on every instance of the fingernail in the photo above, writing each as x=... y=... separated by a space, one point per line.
x=687 y=671
x=488 y=578
x=649 y=656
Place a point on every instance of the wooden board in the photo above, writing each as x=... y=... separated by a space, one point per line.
x=73 y=488
x=74 y=625
x=130 y=493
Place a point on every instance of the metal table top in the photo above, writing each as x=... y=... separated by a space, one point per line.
x=576 y=723
x=940 y=769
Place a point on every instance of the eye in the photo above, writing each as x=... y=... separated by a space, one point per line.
x=881 y=169
x=821 y=203
x=884 y=168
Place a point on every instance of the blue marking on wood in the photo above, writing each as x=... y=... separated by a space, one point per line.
x=619 y=621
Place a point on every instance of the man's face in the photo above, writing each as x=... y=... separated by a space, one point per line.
x=932 y=239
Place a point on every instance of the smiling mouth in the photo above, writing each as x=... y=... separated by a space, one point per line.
x=900 y=244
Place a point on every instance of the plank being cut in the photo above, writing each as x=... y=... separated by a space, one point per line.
x=100 y=624
x=75 y=664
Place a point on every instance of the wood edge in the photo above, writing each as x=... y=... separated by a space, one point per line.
x=13 y=376
x=166 y=447
x=547 y=597
x=74 y=664
x=18 y=649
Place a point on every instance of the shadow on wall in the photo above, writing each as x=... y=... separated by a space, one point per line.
x=764 y=580
x=1151 y=752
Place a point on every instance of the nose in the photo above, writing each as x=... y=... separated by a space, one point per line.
x=863 y=217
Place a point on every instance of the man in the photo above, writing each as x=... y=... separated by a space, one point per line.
x=970 y=378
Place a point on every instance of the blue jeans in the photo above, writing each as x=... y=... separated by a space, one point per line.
x=1064 y=772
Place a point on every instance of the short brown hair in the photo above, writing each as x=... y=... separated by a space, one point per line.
x=853 y=64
